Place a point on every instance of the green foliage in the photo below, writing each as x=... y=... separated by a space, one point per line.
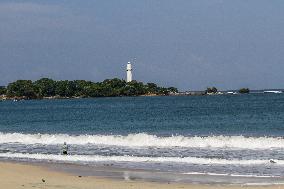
x=151 y=87
x=3 y=90
x=65 y=88
x=213 y=90
x=46 y=87
x=172 y=89
x=21 y=88
x=244 y=90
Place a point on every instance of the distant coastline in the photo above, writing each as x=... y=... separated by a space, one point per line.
x=46 y=88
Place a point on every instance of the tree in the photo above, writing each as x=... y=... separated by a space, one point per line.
x=21 y=88
x=45 y=87
x=112 y=87
x=82 y=87
x=244 y=90
x=65 y=88
x=213 y=90
x=138 y=88
x=93 y=90
x=115 y=83
x=152 y=88
x=128 y=90
x=173 y=89
x=3 y=90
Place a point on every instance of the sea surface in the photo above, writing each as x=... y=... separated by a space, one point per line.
x=234 y=135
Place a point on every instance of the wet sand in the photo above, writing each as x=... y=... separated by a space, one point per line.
x=15 y=175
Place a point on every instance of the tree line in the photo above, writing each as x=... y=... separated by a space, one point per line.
x=214 y=90
x=46 y=87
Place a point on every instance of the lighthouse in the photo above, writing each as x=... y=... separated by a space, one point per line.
x=129 y=72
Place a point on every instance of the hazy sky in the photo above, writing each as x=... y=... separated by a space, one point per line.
x=190 y=44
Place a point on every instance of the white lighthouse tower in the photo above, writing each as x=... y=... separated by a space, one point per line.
x=129 y=72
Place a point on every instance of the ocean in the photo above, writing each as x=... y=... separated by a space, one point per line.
x=234 y=135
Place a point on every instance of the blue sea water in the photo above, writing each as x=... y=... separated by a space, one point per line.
x=225 y=134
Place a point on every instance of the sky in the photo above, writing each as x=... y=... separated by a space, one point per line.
x=189 y=44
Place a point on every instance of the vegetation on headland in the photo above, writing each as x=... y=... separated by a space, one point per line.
x=212 y=90
x=48 y=88
x=244 y=90
x=2 y=90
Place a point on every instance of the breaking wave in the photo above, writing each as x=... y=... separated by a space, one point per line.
x=135 y=159
x=145 y=140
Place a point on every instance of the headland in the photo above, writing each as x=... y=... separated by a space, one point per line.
x=46 y=88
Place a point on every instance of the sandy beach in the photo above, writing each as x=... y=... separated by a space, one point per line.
x=15 y=175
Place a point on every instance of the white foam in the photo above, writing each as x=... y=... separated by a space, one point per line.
x=263 y=184
x=232 y=175
x=145 y=140
x=135 y=159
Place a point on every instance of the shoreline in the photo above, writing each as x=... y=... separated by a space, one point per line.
x=18 y=175
x=192 y=94
x=5 y=98
x=55 y=175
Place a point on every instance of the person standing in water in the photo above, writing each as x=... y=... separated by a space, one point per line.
x=65 y=149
